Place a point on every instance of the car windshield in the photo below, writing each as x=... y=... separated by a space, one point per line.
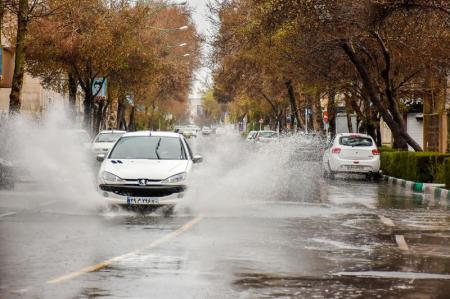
x=355 y=141
x=149 y=147
x=108 y=137
x=268 y=134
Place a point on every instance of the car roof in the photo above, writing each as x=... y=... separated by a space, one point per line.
x=111 y=131
x=354 y=134
x=76 y=130
x=152 y=133
x=267 y=131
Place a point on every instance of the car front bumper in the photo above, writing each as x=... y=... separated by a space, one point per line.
x=143 y=196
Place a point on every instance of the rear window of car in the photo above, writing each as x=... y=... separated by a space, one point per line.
x=268 y=134
x=355 y=141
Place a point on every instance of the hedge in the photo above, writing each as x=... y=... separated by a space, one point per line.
x=421 y=167
x=447 y=173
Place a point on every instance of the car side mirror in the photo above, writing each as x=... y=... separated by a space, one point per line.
x=101 y=157
x=197 y=159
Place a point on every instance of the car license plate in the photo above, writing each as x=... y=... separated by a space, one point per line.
x=354 y=167
x=142 y=201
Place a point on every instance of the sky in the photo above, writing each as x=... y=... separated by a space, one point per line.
x=200 y=16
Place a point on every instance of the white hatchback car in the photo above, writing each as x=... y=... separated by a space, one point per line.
x=104 y=141
x=351 y=153
x=146 y=169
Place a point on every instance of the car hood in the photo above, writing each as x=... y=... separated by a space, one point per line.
x=132 y=169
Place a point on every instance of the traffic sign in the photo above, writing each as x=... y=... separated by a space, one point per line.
x=99 y=87
x=325 y=116
x=261 y=121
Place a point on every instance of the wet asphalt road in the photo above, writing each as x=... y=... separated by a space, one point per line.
x=247 y=230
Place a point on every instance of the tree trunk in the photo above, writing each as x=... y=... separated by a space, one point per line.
x=132 y=121
x=293 y=102
x=73 y=88
x=98 y=116
x=331 y=109
x=121 y=123
x=88 y=106
x=401 y=137
x=317 y=113
x=378 y=130
x=19 y=63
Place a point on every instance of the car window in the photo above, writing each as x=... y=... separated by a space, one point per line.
x=355 y=141
x=267 y=134
x=148 y=147
x=108 y=137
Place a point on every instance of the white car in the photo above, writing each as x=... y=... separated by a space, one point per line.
x=251 y=135
x=146 y=169
x=266 y=136
x=206 y=130
x=186 y=131
x=351 y=153
x=105 y=140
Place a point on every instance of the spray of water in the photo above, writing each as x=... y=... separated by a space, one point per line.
x=51 y=156
x=238 y=175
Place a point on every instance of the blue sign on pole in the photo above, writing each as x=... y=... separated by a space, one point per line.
x=99 y=87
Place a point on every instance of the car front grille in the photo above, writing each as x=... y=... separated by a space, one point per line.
x=144 y=191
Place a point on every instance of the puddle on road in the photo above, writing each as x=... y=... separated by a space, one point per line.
x=255 y=285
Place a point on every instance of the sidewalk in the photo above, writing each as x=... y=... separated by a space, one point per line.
x=437 y=192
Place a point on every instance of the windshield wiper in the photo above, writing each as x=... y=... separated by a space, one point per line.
x=156 y=149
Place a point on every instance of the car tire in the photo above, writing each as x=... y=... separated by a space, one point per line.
x=325 y=173
x=331 y=174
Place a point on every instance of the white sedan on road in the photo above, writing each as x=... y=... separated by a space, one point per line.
x=105 y=140
x=351 y=153
x=146 y=169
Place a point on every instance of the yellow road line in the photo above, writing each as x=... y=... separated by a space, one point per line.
x=386 y=221
x=8 y=214
x=108 y=262
x=401 y=242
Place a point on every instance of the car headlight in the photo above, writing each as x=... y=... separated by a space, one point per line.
x=175 y=178
x=108 y=177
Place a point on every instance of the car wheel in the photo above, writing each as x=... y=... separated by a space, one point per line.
x=331 y=174
x=167 y=211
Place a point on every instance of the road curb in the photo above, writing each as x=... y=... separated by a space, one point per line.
x=435 y=190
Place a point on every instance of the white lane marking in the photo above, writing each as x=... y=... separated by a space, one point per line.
x=8 y=214
x=394 y=274
x=108 y=262
x=386 y=221
x=47 y=203
x=401 y=242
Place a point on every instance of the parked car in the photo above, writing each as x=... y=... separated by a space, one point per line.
x=105 y=140
x=146 y=169
x=251 y=135
x=206 y=130
x=187 y=131
x=351 y=153
x=266 y=136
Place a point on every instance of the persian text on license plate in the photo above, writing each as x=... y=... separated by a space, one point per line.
x=354 y=167
x=142 y=201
